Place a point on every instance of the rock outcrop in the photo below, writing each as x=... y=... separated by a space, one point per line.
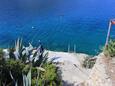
x=74 y=74
x=103 y=72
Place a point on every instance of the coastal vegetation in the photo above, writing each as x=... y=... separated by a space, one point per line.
x=89 y=62
x=27 y=66
x=109 y=50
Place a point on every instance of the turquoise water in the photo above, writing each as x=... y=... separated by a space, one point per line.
x=57 y=23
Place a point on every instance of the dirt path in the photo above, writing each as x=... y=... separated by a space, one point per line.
x=72 y=72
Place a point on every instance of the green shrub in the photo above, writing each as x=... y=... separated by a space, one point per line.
x=50 y=74
x=17 y=67
x=49 y=77
x=88 y=63
x=1 y=54
x=20 y=68
x=110 y=49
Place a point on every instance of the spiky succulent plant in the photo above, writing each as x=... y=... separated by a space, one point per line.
x=26 y=66
x=36 y=56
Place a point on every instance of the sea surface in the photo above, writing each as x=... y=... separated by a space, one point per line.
x=57 y=23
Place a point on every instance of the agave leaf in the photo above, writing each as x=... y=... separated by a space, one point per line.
x=13 y=78
x=45 y=58
x=30 y=47
x=20 y=44
x=16 y=53
x=41 y=69
x=24 y=80
x=23 y=52
x=29 y=77
x=37 y=79
x=17 y=48
x=34 y=53
x=24 y=58
x=16 y=84
x=17 y=45
x=38 y=70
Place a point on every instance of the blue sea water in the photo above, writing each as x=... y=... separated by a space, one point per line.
x=57 y=23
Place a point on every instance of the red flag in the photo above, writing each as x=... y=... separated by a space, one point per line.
x=113 y=22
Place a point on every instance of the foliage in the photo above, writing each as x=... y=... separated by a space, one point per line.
x=47 y=77
x=110 y=49
x=27 y=66
x=11 y=53
x=14 y=67
x=1 y=54
x=88 y=63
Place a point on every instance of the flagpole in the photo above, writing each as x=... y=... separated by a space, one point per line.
x=108 y=34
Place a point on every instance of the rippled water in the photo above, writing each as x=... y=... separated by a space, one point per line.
x=57 y=23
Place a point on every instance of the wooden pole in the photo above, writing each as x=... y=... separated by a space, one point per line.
x=108 y=34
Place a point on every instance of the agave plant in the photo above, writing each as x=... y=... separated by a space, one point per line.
x=20 y=63
x=28 y=54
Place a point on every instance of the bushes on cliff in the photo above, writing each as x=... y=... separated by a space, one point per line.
x=27 y=66
x=89 y=62
x=110 y=49
x=1 y=54
x=18 y=68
